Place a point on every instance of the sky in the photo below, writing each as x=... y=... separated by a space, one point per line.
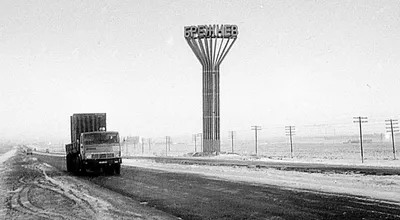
x=294 y=62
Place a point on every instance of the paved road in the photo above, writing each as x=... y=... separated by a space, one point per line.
x=281 y=165
x=190 y=196
x=290 y=166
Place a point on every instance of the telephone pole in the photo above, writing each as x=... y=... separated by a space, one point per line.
x=290 y=130
x=256 y=129
x=194 y=136
x=232 y=134
x=142 y=146
x=393 y=129
x=201 y=141
x=167 y=144
x=361 y=120
x=126 y=147
x=136 y=141
x=149 y=144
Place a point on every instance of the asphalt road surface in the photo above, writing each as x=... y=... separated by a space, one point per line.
x=42 y=186
x=287 y=166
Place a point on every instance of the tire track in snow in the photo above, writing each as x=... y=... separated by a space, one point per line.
x=93 y=206
x=21 y=201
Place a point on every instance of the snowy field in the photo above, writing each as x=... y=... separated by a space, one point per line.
x=315 y=149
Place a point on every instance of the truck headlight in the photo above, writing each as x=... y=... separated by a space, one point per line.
x=88 y=156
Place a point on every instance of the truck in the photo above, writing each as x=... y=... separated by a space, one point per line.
x=29 y=151
x=92 y=147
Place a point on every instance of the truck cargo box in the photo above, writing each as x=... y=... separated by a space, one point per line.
x=81 y=123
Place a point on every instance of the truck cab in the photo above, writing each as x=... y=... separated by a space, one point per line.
x=100 y=148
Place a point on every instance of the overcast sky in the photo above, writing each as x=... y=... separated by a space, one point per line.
x=294 y=62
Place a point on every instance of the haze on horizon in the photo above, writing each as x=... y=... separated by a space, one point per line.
x=295 y=62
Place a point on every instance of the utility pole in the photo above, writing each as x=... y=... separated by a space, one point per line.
x=361 y=120
x=290 y=130
x=201 y=141
x=256 y=129
x=167 y=144
x=136 y=141
x=195 y=139
x=392 y=130
x=142 y=146
x=124 y=144
x=149 y=144
x=232 y=134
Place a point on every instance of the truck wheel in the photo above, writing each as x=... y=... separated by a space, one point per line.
x=71 y=163
x=76 y=164
x=117 y=169
x=109 y=170
x=68 y=163
x=83 y=169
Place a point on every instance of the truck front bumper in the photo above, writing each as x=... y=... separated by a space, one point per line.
x=94 y=163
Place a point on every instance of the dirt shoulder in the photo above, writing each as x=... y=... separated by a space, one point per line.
x=34 y=189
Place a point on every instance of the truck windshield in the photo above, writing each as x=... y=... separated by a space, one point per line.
x=100 y=138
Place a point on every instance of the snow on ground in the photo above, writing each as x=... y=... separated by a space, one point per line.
x=375 y=187
x=368 y=163
x=55 y=154
x=3 y=191
x=7 y=155
x=63 y=185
